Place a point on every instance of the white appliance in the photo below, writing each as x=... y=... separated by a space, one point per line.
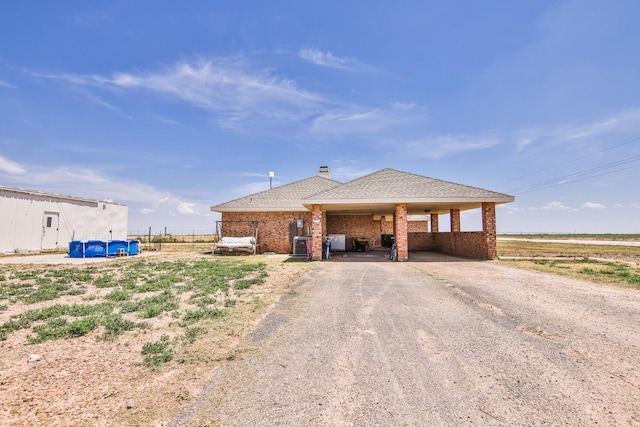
x=337 y=242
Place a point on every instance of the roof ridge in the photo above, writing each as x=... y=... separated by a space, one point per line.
x=278 y=188
x=422 y=177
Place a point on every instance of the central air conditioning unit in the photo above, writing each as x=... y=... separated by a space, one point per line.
x=300 y=245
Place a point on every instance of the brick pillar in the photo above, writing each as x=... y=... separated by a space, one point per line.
x=434 y=223
x=400 y=231
x=489 y=230
x=317 y=232
x=455 y=220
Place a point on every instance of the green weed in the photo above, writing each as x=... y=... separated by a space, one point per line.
x=157 y=353
x=61 y=328
x=106 y=281
x=115 y=325
x=190 y=334
x=192 y=316
x=118 y=295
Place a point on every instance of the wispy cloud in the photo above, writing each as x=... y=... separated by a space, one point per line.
x=94 y=18
x=555 y=205
x=92 y=184
x=6 y=85
x=367 y=121
x=186 y=208
x=592 y=205
x=443 y=145
x=350 y=172
x=224 y=86
x=327 y=59
x=623 y=121
x=11 y=167
x=254 y=187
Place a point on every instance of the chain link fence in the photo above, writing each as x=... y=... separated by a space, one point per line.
x=175 y=240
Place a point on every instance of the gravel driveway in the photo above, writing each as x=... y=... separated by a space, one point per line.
x=444 y=342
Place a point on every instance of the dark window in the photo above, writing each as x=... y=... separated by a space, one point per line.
x=49 y=221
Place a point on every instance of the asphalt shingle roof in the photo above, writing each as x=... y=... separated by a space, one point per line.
x=384 y=185
x=284 y=198
x=394 y=185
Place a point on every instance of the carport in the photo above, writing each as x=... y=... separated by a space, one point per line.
x=397 y=195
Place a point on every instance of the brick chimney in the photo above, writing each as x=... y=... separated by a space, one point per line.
x=324 y=172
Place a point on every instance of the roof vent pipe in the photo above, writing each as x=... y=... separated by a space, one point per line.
x=324 y=172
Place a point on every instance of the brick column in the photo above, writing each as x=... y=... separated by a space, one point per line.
x=455 y=220
x=434 y=223
x=489 y=230
x=317 y=232
x=401 y=230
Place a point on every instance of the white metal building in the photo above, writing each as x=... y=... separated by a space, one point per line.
x=34 y=221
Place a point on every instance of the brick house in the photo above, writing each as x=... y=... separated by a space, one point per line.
x=367 y=208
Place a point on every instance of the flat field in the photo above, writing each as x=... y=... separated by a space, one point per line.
x=130 y=341
x=126 y=341
x=601 y=263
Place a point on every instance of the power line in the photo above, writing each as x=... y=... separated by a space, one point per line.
x=570 y=161
x=578 y=176
x=576 y=180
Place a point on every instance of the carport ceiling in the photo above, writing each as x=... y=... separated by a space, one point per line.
x=389 y=207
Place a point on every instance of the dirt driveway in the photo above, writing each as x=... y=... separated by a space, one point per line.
x=448 y=342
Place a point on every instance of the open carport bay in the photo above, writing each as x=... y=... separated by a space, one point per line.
x=446 y=342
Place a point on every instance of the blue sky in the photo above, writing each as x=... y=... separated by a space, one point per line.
x=171 y=107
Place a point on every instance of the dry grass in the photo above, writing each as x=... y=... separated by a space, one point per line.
x=614 y=265
x=90 y=381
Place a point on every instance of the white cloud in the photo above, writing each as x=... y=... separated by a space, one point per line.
x=618 y=205
x=325 y=59
x=222 y=85
x=525 y=137
x=93 y=184
x=367 y=121
x=444 y=145
x=255 y=187
x=146 y=211
x=6 y=85
x=619 y=122
x=11 y=167
x=187 y=208
x=349 y=172
x=592 y=205
x=555 y=206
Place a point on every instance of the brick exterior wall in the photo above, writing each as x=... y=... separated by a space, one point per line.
x=273 y=232
x=401 y=236
x=318 y=220
x=420 y=241
x=455 y=220
x=273 y=228
x=418 y=226
x=434 y=223
x=466 y=243
x=489 y=229
x=353 y=226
